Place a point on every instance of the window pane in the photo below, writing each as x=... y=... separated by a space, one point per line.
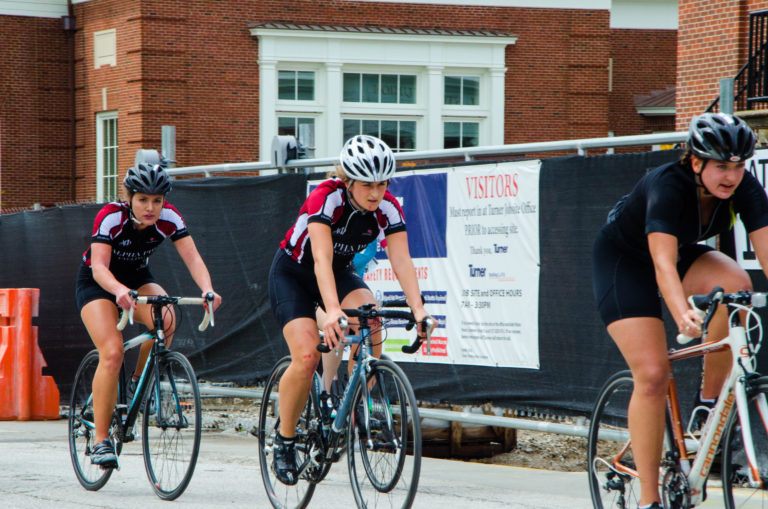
x=389 y=132
x=452 y=90
x=370 y=88
x=352 y=87
x=286 y=85
x=451 y=135
x=306 y=131
x=286 y=126
x=471 y=95
x=389 y=88
x=470 y=134
x=407 y=135
x=351 y=128
x=408 y=89
x=306 y=86
x=371 y=127
x=113 y=131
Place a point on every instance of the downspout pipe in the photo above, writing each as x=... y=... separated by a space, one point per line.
x=69 y=30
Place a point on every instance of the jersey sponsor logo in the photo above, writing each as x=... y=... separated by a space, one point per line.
x=125 y=242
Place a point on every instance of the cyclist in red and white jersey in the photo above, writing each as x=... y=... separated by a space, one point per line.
x=313 y=266
x=125 y=234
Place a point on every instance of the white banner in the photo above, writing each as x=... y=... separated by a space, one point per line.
x=756 y=165
x=474 y=235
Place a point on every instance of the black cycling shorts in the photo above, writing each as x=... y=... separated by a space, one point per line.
x=625 y=286
x=293 y=290
x=87 y=289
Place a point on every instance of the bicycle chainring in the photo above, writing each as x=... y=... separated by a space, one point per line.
x=676 y=493
x=316 y=456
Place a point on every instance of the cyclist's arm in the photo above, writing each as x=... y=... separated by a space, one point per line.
x=101 y=255
x=402 y=264
x=322 y=253
x=196 y=266
x=663 y=248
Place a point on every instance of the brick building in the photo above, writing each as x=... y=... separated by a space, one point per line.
x=87 y=83
x=714 y=43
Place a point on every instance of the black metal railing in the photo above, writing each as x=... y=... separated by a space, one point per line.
x=750 y=85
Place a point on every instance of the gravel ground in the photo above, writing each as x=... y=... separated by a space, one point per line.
x=548 y=451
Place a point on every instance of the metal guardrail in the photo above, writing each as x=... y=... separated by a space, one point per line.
x=577 y=430
x=467 y=153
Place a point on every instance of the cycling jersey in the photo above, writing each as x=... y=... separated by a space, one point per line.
x=351 y=229
x=131 y=248
x=666 y=200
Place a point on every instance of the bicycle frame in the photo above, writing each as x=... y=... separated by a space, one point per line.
x=733 y=393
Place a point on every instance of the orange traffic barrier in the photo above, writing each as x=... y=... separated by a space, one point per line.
x=25 y=394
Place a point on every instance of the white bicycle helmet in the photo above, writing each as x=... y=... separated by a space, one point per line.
x=368 y=159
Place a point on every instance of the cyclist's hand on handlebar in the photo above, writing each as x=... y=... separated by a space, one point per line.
x=216 y=298
x=420 y=317
x=124 y=299
x=332 y=331
x=690 y=324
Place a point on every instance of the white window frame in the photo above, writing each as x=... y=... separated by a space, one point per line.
x=383 y=118
x=429 y=57
x=105 y=48
x=101 y=165
x=463 y=120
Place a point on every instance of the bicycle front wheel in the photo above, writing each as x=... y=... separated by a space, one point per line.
x=613 y=482
x=171 y=426
x=737 y=490
x=282 y=496
x=384 y=469
x=81 y=426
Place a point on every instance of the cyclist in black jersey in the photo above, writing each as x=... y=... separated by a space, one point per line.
x=313 y=266
x=125 y=234
x=649 y=246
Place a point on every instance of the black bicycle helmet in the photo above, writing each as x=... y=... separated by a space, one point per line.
x=148 y=179
x=721 y=137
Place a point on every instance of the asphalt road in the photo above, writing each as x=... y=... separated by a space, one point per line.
x=36 y=473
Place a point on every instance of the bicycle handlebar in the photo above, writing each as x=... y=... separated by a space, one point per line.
x=370 y=313
x=706 y=305
x=162 y=300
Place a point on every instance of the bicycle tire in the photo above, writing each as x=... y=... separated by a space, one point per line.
x=171 y=426
x=282 y=496
x=733 y=459
x=81 y=431
x=387 y=474
x=608 y=487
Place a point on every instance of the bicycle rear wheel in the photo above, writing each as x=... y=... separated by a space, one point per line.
x=609 y=455
x=281 y=495
x=171 y=426
x=735 y=470
x=81 y=426
x=385 y=470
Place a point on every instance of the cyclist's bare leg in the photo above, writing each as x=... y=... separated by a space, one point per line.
x=355 y=299
x=331 y=360
x=709 y=270
x=642 y=343
x=100 y=318
x=143 y=314
x=302 y=338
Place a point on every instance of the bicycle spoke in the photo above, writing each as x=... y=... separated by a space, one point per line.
x=81 y=426
x=385 y=469
x=738 y=491
x=280 y=495
x=610 y=463
x=171 y=427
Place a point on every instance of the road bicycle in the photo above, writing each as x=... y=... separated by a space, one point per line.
x=737 y=426
x=166 y=396
x=376 y=423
